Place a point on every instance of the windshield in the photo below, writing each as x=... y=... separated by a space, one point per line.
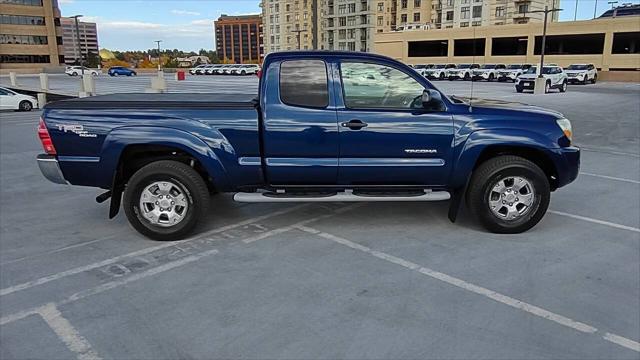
x=514 y=67
x=420 y=66
x=545 y=70
x=439 y=66
x=577 y=67
x=464 y=66
x=488 y=66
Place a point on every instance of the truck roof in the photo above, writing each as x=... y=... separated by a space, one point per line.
x=325 y=53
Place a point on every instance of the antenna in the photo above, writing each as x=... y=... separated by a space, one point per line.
x=473 y=61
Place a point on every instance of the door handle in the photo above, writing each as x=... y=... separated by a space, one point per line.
x=355 y=124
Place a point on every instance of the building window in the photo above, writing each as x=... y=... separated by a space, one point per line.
x=22 y=2
x=464 y=24
x=416 y=17
x=571 y=44
x=288 y=7
x=403 y=4
x=464 y=12
x=450 y=2
x=626 y=43
x=21 y=20
x=506 y=46
x=380 y=6
x=500 y=11
x=380 y=21
x=351 y=21
x=523 y=8
x=24 y=59
x=476 y=23
x=468 y=47
x=449 y=16
x=342 y=21
x=23 y=39
x=403 y=18
x=464 y=1
x=417 y=3
x=277 y=7
x=477 y=11
x=351 y=8
x=431 y=48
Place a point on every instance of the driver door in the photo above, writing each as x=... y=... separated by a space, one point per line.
x=386 y=136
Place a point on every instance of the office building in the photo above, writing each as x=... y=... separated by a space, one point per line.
x=449 y=14
x=74 y=52
x=30 y=35
x=239 y=39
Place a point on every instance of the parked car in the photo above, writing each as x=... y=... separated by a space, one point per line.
x=211 y=69
x=400 y=139
x=197 y=70
x=512 y=72
x=488 y=72
x=219 y=70
x=245 y=69
x=119 y=70
x=228 y=70
x=439 y=71
x=555 y=78
x=77 y=70
x=11 y=100
x=422 y=68
x=582 y=73
x=462 y=72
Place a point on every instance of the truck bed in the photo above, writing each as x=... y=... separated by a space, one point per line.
x=160 y=101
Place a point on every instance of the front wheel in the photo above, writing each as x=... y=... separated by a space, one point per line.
x=563 y=87
x=25 y=106
x=519 y=89
x=595 y=79
x=491 y=77
x=508 y=194
x=165 y=199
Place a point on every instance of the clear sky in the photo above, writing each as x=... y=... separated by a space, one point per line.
x=188 y=24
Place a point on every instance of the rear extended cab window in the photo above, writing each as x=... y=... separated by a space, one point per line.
x=304 y=83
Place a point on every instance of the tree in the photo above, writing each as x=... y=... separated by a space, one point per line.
x=93 y=60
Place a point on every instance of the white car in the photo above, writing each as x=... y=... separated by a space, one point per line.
x=77 y=70
x=582 y=73
x=210 y=69
x=422 y=69
x=462 y=72
x=439 y=71
x=197 y=70
x=555 y=78
x=11 y=100
x=228 y=70
x=488 y=72
x=245 y=69
x=512 y=72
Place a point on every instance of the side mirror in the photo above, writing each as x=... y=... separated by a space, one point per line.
x=430 y=97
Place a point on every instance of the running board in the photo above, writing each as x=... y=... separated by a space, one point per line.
x=346 y=196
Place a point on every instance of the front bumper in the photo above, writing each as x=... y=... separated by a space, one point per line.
x=50 y=168
x=567 y=162
x=526 y=84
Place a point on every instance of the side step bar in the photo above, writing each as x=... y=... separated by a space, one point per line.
x=346 y=196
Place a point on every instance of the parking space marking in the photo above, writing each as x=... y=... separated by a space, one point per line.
x=75 y=342
x=80 y=269
x=595 y=221
x=610 y=177
x=493 y=295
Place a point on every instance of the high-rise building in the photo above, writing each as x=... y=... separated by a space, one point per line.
x=30 y=35
x=74 y=52
x=290 y=24
x=464 y=13
x=348 y=24
x=239 y=39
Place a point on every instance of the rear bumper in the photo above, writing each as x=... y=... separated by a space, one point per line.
x=567 y=162
x=50 y=168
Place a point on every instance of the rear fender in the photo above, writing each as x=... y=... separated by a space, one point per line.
x=206 y=153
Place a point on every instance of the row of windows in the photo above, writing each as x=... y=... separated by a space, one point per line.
x=365 y=86
x=583 y=44
x=403 y=4
x=40 y=59
x=22 y=2
x=23 y=39
x=21 y=20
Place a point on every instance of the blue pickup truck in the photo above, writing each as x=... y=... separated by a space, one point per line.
x=325 y=126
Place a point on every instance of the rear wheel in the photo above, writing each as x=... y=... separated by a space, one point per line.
x=595 y=78
x=467 y=77
x=508 y=194
x=25 y=106
x=547 y=86
x=491 y=77
x=563 y=87
x=165 y=199
x=441 y=76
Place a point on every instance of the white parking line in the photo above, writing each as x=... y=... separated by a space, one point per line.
x=77 y=270
x=595 y=221
x=493 y=295
x=75 y=342
x=610 y=178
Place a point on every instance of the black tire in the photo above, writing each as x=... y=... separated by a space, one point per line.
x=595 y=79
x=186 y=179
x=547 y=87
x=563 y=87
x=467 y=77
x=25 y=105
x=488 y=174
x=491 y=77
x=519 y=89
x=441 y=76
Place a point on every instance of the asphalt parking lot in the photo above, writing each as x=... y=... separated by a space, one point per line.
x=311 y=281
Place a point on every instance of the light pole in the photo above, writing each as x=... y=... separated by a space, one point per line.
x=595 y=9
x=75 y=17
x=546 y=12
x=159 y=64
x=575 y=13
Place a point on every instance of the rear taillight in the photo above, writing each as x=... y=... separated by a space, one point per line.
x=259 y=74
x=45 y=139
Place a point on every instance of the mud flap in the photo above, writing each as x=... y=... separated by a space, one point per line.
x=457 y=196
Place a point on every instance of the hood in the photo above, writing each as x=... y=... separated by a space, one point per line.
x=529 y=76
x=488 y=105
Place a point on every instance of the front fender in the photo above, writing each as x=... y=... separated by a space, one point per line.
x=467 y=152
x=118 y=139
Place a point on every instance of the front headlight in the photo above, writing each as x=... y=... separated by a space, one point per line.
x=565 y=126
